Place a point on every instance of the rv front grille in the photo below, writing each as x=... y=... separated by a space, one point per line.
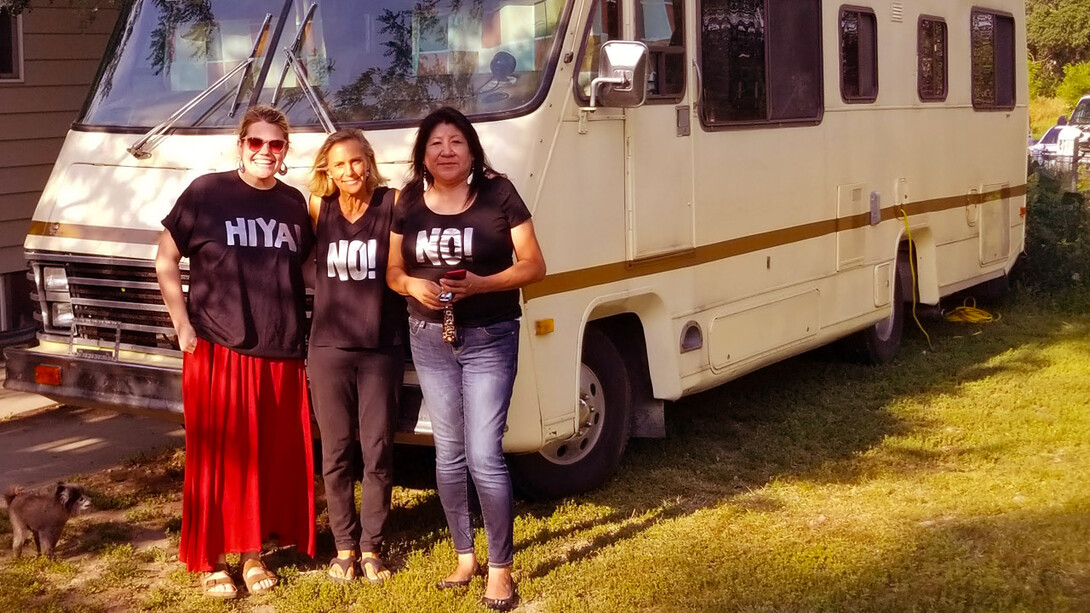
x=114 y=303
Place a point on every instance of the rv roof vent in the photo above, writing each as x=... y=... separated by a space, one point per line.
x=897 y=12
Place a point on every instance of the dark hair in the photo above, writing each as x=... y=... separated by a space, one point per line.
x=452 y=116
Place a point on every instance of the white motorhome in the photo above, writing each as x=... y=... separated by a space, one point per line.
x=717 y=184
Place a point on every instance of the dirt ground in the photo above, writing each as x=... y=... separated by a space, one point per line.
x=129 y=540
x=42 y=446
x=123 y=554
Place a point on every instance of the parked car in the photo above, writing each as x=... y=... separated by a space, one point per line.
x=1048 y=147
x=1076 y=134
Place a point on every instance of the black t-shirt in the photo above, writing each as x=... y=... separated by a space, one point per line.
x=353 y=306
x=477 y=239
x=246 y=249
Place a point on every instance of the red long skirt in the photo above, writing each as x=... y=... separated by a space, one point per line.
x=249 y=470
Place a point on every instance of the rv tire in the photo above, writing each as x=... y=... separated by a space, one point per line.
x=879 y=343
x=589 y=458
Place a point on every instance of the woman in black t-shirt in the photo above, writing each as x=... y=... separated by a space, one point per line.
x=248 y=461
x=355 y=360
x=462 y=236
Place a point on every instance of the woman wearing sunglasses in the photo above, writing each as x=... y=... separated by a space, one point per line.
x=248 y=464
x=356 y=358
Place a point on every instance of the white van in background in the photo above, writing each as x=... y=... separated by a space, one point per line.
x=1074 y=138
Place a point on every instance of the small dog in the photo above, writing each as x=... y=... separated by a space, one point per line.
x=43 y=516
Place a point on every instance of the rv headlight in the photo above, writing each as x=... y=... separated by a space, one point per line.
x=61 y=314
x=54 y=279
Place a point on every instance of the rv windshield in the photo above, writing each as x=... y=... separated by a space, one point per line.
x=388 y=61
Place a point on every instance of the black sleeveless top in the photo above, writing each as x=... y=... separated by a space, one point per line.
x=353 y=307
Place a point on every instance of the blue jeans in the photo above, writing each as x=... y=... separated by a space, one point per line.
x=467 y=388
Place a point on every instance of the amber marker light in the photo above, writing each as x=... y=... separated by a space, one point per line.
x=1022 y=211
x=543 y=327
x=47 y=374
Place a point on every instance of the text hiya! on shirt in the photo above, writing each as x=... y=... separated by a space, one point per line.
x=261 y=233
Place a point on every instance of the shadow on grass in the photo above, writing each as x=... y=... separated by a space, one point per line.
x=1021 y=561
x=808 y=418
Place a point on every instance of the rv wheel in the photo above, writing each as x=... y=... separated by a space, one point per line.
x=880 y=342
x=590 y=457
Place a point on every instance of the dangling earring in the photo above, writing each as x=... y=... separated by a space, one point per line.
x=241 y=168
x=424 y=176
x=283 y=168
x=469 y=179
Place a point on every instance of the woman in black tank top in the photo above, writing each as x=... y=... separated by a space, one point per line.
x=355 y=358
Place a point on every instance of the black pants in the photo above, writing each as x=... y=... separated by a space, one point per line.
x=356 y=388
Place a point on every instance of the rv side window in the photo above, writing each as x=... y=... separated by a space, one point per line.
x=11 y=65
x=604 y=25
x=760 y=62
x=931 y=59
x=858 y=55
x=992 y=36
x=660 y=24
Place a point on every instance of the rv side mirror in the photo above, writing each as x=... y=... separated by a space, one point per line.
x=622 y=75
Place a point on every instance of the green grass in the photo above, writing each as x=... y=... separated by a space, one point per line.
x=953 y=479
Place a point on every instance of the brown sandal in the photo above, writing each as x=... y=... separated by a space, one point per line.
x=210 y=581
x=254 y=572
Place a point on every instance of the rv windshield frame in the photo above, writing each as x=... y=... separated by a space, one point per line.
x=389 y=72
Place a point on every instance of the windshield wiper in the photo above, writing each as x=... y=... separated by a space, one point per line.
x=293 y=62
x=296 y=45
x=249 y=63
x=141 y=149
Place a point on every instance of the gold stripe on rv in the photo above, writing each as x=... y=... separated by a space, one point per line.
x=95 y=233
x=609 y=273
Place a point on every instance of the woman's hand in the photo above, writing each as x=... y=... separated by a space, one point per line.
x=170 y=284
x=426 y=292
x=463 y=288
x=187 y=337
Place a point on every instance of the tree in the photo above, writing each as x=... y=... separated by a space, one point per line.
x=1058 y=34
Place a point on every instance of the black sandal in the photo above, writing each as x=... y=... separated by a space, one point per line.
x=502 y=604
x=377 y=566
x=347 y=567
x=448 y=585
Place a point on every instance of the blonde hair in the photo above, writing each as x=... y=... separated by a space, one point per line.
x=321 y=184
x=263 y=113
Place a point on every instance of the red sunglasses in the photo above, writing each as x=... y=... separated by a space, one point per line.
x=255 y=144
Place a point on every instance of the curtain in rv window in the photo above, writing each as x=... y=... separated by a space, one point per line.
x=931 y=59
x=760 y=61
x=992 y=40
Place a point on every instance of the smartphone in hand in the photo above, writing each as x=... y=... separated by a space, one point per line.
x=454 y=275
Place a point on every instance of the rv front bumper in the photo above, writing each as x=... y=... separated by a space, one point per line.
x=51 y=371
